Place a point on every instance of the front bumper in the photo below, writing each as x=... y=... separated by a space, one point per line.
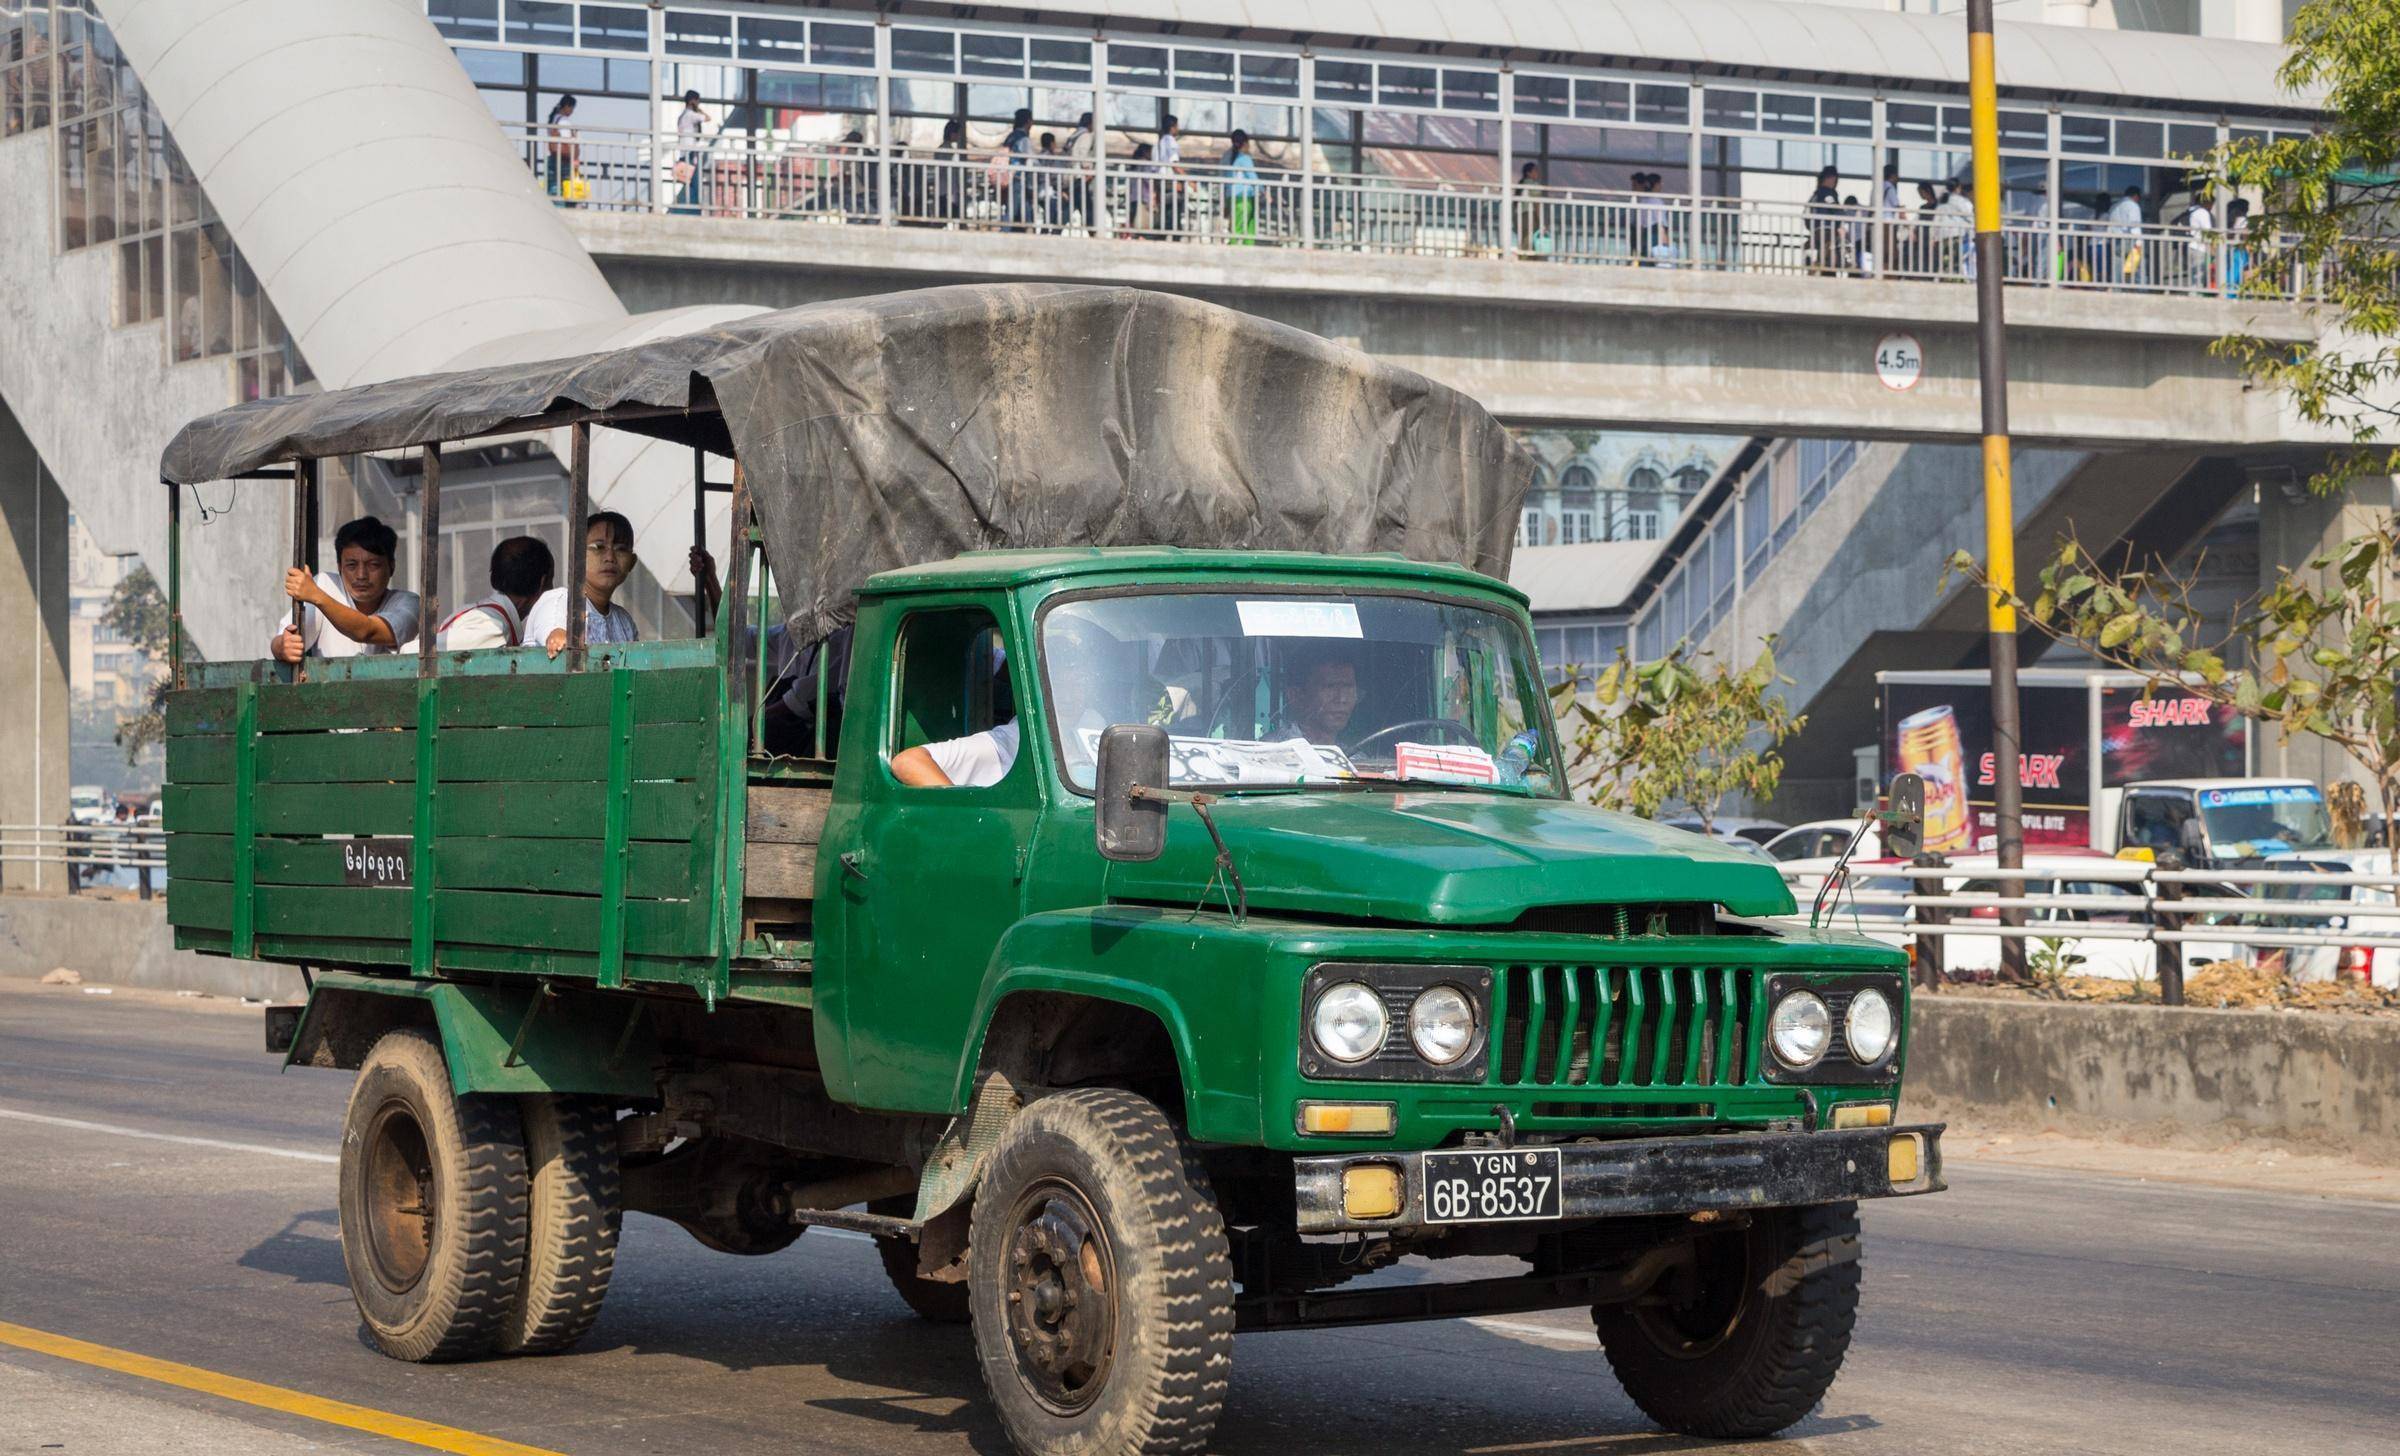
x=1730 y=1171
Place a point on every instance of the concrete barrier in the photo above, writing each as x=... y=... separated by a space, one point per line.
x=2311 y=1076
x=123 y=943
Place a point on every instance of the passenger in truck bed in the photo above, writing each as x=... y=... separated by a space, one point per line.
x=354 y=613
x=522 y=569
x=608 y=560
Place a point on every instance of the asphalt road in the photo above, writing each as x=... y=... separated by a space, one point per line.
x=2023 y=1311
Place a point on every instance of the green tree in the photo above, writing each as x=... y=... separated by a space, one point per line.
x=2318 y=652
x=138 y=613
x=1686 y=729
x=2327 y=206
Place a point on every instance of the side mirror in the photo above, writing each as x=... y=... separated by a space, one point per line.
x=1904 y=821
x=1127 y=829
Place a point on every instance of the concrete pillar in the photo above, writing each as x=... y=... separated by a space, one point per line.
x=2294 y=526
x=34 y=772
x=2253 y=20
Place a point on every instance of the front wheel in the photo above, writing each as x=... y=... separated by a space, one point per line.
x=1098 y=1281
x=1747 y=1339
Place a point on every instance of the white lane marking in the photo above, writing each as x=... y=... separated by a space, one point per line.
x=845 y=1234
x=1527 y=1329
x=168 y=1137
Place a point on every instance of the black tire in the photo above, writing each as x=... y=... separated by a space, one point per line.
x=432 y=1205
x=1756 y=1338
x=1137 y=1359
x=573 y=1208
x=931 y=1299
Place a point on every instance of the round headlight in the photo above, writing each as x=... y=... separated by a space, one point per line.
x=1441 y=1024
x=1350 y=1022
x=1800 y=1030
x=1868 y=1027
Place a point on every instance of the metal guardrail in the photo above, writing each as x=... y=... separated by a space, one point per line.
x=762 y=177
x=2155 y=908
x=85 y=846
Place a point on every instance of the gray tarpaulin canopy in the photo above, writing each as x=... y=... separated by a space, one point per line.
x=900 y=429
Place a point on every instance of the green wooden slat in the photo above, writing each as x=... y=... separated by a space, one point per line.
x=196 y=808
x=380 y=756
x=663 y=810
x=1601 y=1006
x=1698 y=1034
x=287 y=910
x=200 y=904
x=1570 y=1016
x=560 y=922
x=660 y=751
x=573 y=811
x=377 y=809
x=1629 y=1052
x=201 y=710
x=243 y=811
x=200 y=857
x=200 y=758
x=1665 y=1037
x=654 y=869
x=573 y=700
x=612 y=853
x=299 y=707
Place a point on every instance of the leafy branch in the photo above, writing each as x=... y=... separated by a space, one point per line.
x=1684 y=729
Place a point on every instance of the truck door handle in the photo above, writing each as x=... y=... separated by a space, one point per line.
x=851 y=863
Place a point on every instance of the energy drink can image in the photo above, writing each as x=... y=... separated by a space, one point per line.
x=1930 y=748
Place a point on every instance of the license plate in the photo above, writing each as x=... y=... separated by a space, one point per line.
x=1495 y=1185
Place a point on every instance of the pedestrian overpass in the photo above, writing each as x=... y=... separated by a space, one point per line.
x=1589 y=215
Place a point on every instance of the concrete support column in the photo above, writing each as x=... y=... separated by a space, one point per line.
x=34 y=771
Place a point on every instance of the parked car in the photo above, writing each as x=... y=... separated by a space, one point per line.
x=1819 y=839
x=1729 y=830
x=2376 y=915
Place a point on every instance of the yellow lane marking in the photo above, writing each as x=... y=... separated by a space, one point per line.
x=268 y=1397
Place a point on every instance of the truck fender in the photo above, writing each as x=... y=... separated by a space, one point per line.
x=1019 y=1002
x=504 y=1039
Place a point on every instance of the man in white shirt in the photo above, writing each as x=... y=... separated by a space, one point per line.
x=608 y=560
x=355 y=613
x=1169 y=156
x=2204 y=242
x=976 y=761
x=2125 y=227
x=522 y=569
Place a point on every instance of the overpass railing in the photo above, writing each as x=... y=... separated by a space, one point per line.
x=761 y=177
x=2125 y=918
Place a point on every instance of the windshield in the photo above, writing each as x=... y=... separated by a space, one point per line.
x=2275 y=819
x=1258 y=688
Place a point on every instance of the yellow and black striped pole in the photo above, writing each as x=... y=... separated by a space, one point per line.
x=1999 y=509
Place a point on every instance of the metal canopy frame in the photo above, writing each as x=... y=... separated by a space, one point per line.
x=699 y=426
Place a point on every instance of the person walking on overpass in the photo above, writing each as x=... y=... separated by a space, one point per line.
x=1241 y=191
x=2125 y=260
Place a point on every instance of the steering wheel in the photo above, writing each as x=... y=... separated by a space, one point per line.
x=1450 y=727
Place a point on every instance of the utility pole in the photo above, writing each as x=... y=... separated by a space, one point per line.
x=1999 y=508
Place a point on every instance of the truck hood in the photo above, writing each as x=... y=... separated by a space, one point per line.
x=1445 y=858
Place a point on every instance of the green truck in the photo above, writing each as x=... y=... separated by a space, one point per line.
x=1267 y=948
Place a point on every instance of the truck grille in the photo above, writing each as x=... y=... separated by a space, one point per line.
x=1625 y=1026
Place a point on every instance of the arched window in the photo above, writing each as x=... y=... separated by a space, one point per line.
x=1643 y=519
x=1578 y=502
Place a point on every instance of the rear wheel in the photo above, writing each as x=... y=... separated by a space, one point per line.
x=433 y=1203
x=1748 y=1340
x=944 y=1303
x=1098 y=1281
x=572 y=1214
